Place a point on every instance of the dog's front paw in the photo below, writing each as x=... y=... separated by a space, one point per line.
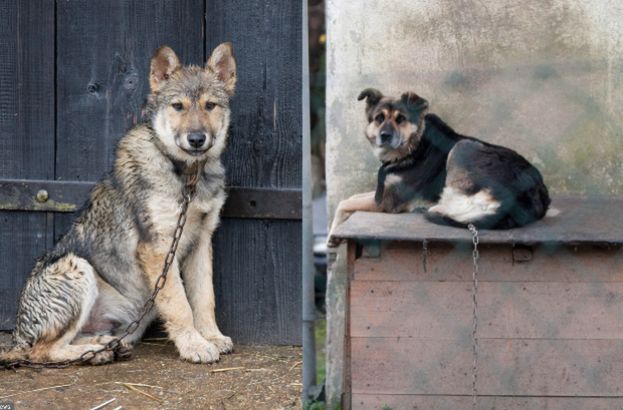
x=222 y=343
x=333 y=242
x=194 y=348
x=104 y=357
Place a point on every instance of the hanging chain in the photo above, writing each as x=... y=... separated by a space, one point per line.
x=188 y=193
x=475 y=257
x=425 y=255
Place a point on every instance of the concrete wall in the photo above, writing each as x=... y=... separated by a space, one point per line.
x=544 y=77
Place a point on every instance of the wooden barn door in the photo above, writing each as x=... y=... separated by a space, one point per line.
x=73 y=78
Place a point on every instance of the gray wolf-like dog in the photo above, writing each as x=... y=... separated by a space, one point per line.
x=98 y=276
x=455 y=179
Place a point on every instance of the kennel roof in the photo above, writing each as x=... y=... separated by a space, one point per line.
x=580 y=221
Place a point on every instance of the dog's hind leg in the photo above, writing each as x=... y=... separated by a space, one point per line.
x=55 y=304
x=123 y=351
x=463 y=208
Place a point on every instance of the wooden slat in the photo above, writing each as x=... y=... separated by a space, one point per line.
x=404 y=402
x=443 y=310
x=259 y=292
x=580 y=221
x=264 y=145
x=448 y=262
x=505 y=367
x=104 y=49
x=68 y=196
x=26 y=136
x=259 y=268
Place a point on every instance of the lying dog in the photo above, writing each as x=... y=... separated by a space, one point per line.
x=457 y=180
x=97 y=278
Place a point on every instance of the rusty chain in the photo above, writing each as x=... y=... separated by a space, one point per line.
x=188 y=193
x=475 y=258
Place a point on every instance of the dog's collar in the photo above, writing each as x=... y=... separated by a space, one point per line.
x=390 y=167
x=190 y=173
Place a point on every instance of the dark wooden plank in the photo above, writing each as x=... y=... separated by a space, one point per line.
x=68 y=196
x=527 y=310
x=400 y=261
x=264 y=146
x=43 y=195
x=104 y=48
x=264 y=150
x=259 y=287
x=263 y=203
x=580 y=221
x=403 y=402
x=505 y=367
x=26 y=136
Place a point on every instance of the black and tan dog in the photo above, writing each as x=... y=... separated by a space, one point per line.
x=94 y=282
x=457 y=180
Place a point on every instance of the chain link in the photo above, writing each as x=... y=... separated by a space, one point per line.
x=425 y=255
x=188 y=193
x=475 y=258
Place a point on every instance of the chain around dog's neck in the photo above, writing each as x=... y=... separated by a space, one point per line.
x=390 y=167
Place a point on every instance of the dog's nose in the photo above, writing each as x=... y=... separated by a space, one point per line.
x=196 y=139
x=386 y=137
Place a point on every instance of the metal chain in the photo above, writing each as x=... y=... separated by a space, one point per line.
x=188 y=193
x=475 y=257
x=425 y=255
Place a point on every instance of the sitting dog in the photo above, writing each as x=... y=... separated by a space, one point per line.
x=97 y=278
x=457 y=180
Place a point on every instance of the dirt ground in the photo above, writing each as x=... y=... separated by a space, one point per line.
x=253 y=377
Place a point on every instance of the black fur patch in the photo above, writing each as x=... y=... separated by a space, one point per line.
x=510 y=178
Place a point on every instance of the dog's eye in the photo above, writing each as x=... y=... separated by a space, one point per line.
x=400 y=118
x=379 y=118
x=210 y=106
x=177 y=106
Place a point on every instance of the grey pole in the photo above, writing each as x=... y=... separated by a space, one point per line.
x=309 y=345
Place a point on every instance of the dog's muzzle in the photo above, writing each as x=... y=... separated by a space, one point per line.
x=199 y=143
x=388 y=140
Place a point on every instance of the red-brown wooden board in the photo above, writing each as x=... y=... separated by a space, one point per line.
x=506 y=310
x=400 y=365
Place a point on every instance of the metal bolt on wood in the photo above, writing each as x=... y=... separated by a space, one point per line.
x=42 y=196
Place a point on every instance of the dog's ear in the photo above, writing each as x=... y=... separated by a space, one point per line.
x=223 y=64
x=372 y=96
x=414 y=102
x=163 y=64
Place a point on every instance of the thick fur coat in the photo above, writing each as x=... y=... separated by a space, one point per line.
x=97 y=278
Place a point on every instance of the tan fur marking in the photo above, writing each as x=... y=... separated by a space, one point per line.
x=174 y=307
x=357 y=202
x=197 y=273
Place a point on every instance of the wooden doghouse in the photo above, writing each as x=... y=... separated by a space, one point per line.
x=550 y=312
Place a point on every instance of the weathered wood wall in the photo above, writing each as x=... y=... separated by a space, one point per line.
x=549 y=328
x=73 y=78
